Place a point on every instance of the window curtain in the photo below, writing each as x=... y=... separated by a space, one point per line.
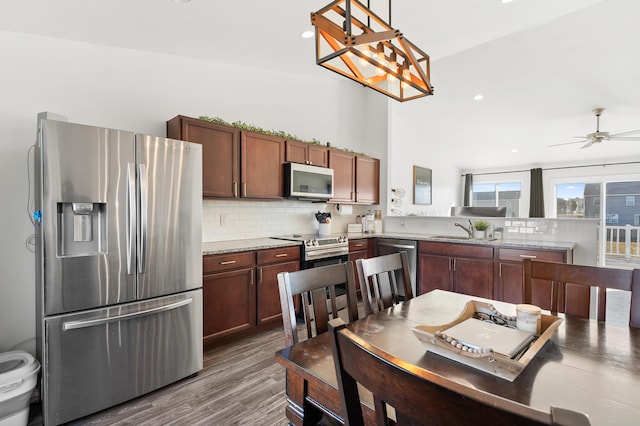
x=536 y=203
x=468 y=187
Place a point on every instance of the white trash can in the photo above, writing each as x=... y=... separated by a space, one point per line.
x=18 y=377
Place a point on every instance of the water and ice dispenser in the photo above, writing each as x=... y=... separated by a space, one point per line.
x=82 y=228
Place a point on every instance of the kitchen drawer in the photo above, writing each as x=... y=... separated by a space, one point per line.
x=281 y=254
x=516 y=255
x=455 y=250
x=358 y=245
x=226 y=262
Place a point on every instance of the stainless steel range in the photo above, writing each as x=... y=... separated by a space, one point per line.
x=320 y=251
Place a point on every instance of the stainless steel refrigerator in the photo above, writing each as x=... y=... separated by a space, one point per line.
x=118 y=265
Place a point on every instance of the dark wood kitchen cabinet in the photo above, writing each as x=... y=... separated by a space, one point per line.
x=261 y=165
x=509 y=275
x=361 y=248
x=463 y=268
x=240 y=291
x=220 y=153
x=367 y=180
x=344 y=176
x=356 y=179
x=306 y=153
x=270 y=263
x=235 y=163
x=229 y=295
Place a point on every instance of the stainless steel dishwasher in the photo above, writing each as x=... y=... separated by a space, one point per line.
x=389 y=246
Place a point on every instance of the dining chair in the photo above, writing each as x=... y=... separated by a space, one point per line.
x=563 y=274
x=321 y=293
x=379 y=277
x=406 y=394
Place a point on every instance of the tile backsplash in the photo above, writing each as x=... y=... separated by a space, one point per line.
x=234 y=220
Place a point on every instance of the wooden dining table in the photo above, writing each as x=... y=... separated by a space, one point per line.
x=586 y=366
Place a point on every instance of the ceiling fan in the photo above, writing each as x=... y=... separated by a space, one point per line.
x=599 y=136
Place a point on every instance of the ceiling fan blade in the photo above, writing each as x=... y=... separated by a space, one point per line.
x=587 y=145
x=632 y=132
x=568 y=143
x=615 y=138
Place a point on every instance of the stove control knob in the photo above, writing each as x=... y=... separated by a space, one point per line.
x=314 y=242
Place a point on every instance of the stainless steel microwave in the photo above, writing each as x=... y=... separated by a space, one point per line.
x=307 y=182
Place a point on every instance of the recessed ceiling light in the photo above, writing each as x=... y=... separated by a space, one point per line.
x=514 y=150
x=478 y=97
x=506 y=1
x=307 y=34
x=182 y=1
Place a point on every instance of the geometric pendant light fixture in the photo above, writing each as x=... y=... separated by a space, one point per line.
x=356 y=43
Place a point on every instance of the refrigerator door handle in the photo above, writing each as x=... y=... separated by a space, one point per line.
x=142 y=256
x=74 y=325
x=131 y=216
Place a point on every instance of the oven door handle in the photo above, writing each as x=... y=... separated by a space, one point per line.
x=321 y=254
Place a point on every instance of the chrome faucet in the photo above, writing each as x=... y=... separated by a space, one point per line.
x=469 y=229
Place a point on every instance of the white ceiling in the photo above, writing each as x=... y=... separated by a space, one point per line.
x=542 y=65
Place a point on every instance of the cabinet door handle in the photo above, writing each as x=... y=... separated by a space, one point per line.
x=282 y=255
x=227 y=262
x=528 y=256
x=500 y=270
x=251 y=279
x=235 y=189
x=359 y=245
x=259 y=275
x=452 y=264
x=244 y=188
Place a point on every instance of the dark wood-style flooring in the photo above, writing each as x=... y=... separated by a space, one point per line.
x=241 y=384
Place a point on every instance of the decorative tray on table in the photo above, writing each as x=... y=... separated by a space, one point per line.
x=483 y=338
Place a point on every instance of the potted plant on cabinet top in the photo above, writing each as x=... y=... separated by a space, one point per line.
x=480 y=228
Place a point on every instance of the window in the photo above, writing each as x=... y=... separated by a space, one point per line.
x=498 y=195
x=617 y=202
x=612 y=219
x=571 y=199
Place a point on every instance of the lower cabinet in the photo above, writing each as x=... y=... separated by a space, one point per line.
x=509 y=276
x=240 y=291
x=359 y=249
x=270 y=263
x=463 y=268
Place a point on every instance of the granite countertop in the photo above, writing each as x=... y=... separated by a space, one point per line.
x=232 y=246
x=549 y=245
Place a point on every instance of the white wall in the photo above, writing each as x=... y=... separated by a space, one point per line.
x=139 y=91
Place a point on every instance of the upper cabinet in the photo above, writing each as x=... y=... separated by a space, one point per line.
x=220 y=153
x=261 y=165
x=235 y=163
x=238 y=163
x=356 y=178
x=306 y=153
x=367 y=180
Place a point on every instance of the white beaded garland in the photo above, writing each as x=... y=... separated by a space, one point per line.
x=453 y=342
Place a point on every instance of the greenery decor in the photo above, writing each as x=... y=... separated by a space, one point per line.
x=255 y=129
x=481 y=225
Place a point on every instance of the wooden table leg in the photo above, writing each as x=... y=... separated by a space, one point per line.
x=298 y=411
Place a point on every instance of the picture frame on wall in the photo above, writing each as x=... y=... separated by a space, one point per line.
x=422 y=190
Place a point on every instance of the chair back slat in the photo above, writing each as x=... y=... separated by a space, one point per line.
x=562 y=275
x=321 y=294
x=379 y=282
